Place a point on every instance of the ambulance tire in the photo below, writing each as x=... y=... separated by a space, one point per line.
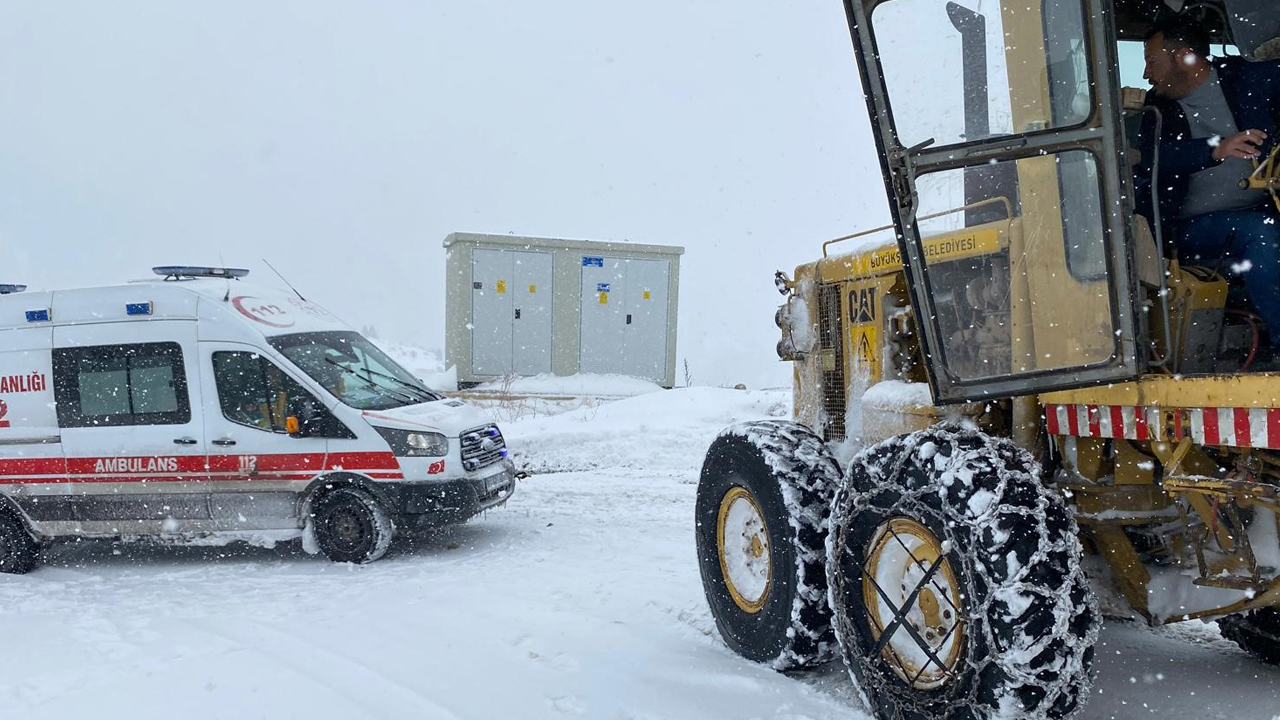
x=1257 y=633
x=351 y=526
x=19 y=552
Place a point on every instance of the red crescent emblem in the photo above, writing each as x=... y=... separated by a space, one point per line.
x=266 y=313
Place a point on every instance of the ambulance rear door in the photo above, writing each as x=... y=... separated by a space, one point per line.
x=32 y=469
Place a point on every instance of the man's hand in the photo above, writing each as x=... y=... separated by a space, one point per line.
x=1243 y=145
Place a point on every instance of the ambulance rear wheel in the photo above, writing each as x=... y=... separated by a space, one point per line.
x=352 y=526
x=19 y=552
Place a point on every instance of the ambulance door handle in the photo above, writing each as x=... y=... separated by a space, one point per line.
x=184 y=441
x=628 y=319
x=224 y=442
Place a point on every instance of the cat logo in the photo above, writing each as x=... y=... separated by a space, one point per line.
x=863 y=303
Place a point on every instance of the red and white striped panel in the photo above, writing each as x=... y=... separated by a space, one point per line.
x=1103 y=421
x=1234 y=427
x=1237 y=427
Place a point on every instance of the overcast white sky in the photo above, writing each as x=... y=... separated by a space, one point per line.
x=344 y=140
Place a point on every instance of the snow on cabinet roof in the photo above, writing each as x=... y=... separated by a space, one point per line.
x=266 y=310
x=543 y=243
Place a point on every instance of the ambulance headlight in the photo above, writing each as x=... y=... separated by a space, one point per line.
x=406 y=443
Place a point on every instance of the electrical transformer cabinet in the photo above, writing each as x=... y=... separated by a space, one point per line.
x=519 y=306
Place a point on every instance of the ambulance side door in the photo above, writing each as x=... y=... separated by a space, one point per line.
x=128 y=408
x=257 y=469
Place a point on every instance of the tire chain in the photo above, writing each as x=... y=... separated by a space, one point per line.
x=1257 y=633
x=1054 y=664
x=808 y=476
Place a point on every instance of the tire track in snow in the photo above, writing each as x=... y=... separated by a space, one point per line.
x=348 y=686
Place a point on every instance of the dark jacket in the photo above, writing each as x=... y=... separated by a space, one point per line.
x=1252 y=90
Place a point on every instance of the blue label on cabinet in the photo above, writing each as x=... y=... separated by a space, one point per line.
x=602 y=287
x=590 y=261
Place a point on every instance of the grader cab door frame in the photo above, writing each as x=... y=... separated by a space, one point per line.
x=1097 y=133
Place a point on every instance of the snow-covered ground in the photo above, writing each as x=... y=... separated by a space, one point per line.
x=586 y=384
x=579 y=599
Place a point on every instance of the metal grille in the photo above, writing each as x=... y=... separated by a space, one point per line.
x=831 y=356
x=482 y=447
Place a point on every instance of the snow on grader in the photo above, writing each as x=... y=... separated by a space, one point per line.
x=1052 y=414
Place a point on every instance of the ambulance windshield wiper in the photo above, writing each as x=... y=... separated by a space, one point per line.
x=426 y=394
x=420 y=394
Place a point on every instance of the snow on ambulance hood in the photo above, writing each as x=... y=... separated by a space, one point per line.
x=449 y=417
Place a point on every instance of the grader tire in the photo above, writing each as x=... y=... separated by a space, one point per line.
x=945 y=545
x=762 y=508
x=1256 y=632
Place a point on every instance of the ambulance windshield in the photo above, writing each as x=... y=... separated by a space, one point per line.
x=353 y=369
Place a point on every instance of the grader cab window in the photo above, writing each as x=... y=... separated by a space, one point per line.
x=1010 y=173
x=1038 y=266
x=960 y=90
x=1002 y=170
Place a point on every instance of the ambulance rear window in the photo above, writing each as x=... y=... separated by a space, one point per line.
x=114 y=385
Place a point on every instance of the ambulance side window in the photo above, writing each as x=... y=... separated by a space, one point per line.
x=254 y=392
x=115 y=385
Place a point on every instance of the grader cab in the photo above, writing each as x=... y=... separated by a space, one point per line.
x=1028 y=382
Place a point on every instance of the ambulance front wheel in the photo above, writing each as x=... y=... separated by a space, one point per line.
x=19 y=552
x=351 y=526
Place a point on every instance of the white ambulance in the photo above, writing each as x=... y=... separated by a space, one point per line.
x=194 y=406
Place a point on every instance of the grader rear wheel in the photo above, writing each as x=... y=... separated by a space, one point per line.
x=762 y=510
x=956 y=584
x=1257 y=633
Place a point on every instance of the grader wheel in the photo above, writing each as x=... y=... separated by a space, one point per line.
x=1257 y=633
x=956 y=584
x=762 y=508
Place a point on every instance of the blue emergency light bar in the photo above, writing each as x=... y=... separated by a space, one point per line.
x=37 y=316
x=10 y=289
x=137 y=308
x=178 y=272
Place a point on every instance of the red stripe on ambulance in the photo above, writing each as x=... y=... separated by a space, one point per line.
x=196 y=468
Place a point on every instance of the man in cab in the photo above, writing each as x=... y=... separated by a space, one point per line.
x=1218 y=120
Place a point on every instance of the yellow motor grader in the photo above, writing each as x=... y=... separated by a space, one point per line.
x=1042 y=405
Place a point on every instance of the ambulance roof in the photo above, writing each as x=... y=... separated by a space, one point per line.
x=267 y=311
